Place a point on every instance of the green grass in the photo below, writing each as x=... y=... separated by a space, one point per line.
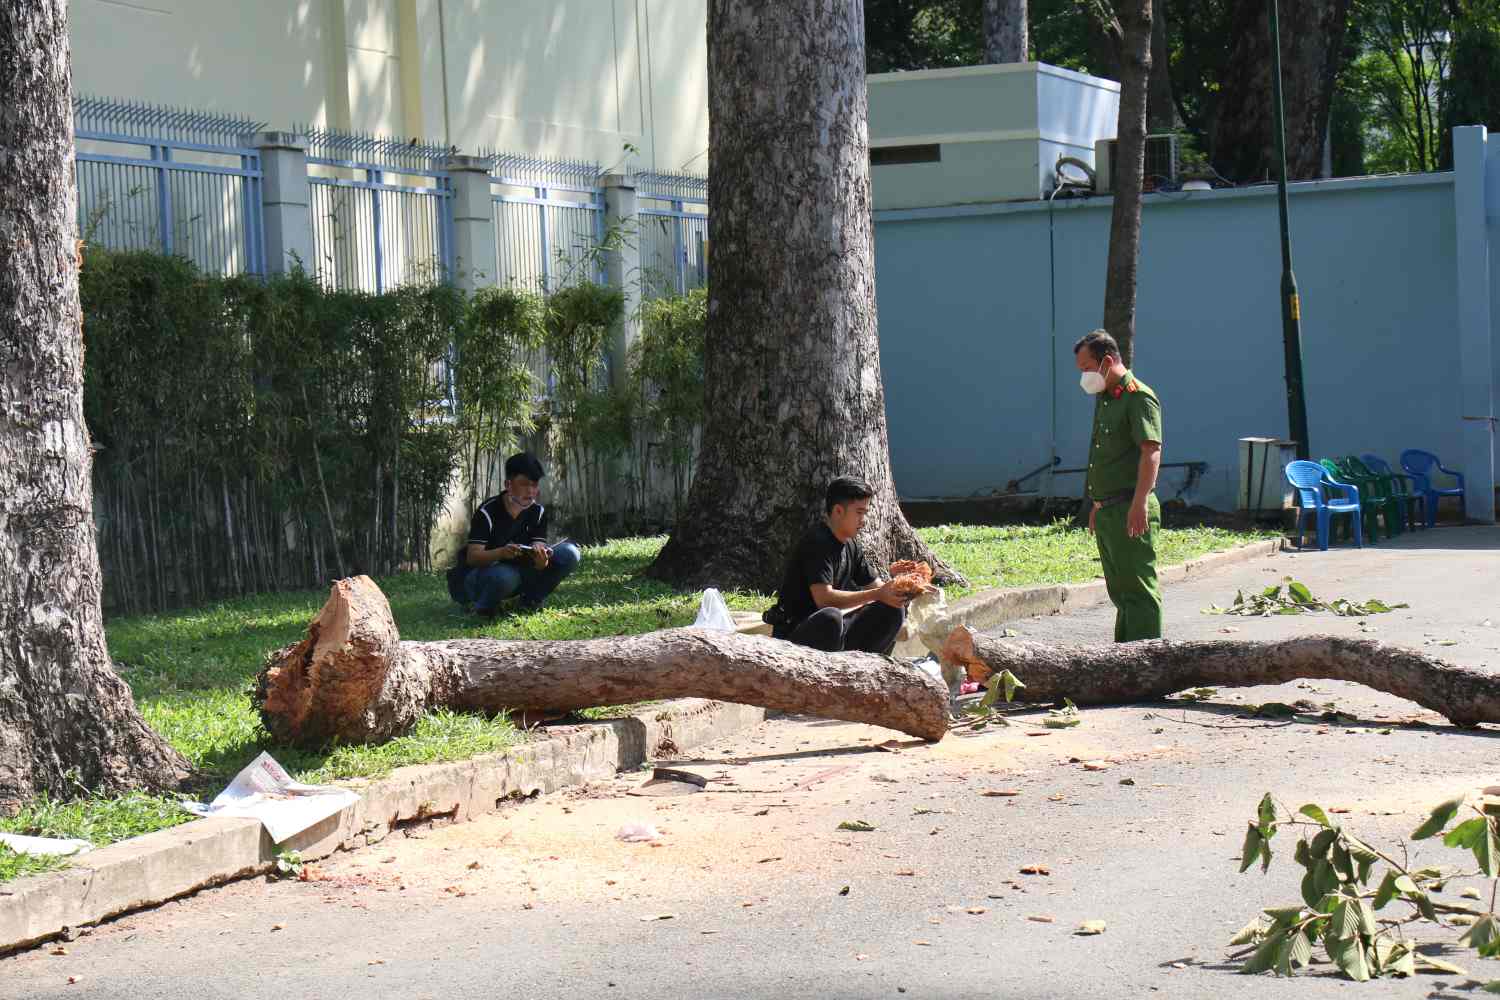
x=1031 y=555
x=13 y=865
x=191 y=670
x=98 y=820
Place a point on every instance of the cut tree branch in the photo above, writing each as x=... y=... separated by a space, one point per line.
x=1144 y=671
x=353 y=680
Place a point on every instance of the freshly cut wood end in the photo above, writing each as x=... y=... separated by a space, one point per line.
x=910 y=576
x=310 y=689
x=958 y=651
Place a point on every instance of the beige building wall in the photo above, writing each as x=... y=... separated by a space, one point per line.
x=560 y=78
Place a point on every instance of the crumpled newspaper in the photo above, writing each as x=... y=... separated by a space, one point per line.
x=264 y=791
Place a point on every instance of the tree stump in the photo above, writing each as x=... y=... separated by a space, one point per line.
x=352 y=678
x=1144 y=671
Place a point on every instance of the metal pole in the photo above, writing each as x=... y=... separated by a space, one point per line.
x=1291 y=305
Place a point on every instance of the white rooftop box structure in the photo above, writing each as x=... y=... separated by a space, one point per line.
x=982 y=133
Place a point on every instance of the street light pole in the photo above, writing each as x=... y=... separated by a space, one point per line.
x=1291 y=305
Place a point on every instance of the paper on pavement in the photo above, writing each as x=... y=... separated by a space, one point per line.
x=264 y=791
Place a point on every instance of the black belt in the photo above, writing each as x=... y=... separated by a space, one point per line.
x=1114 y=500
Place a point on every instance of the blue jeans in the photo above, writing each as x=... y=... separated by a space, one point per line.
x=489 y=585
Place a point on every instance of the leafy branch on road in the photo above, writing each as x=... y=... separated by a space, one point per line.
x=1005 y=684
x=1341 y=895
x=1293 y=598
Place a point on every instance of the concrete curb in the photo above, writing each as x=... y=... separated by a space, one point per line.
x=152 y=869
x=989 y=608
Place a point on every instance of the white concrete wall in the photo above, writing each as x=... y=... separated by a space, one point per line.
x=562 y=78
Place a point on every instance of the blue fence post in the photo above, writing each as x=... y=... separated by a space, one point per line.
x=163 y=156
x=377 y=177
x=446 y=249
x=251 y=198
x=679 y=250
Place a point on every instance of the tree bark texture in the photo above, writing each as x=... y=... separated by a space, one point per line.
x=1134 y=34
x=63 y=710
x=792 y=360
x=1143 y=671
x=1006 y=38
x=1242 y=147
x=353 y=680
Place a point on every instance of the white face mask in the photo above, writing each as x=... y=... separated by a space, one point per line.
x=1092 y=382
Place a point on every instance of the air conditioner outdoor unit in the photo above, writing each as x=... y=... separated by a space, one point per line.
x=1163 y=162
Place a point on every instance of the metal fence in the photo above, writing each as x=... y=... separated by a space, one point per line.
x=673 y=232
x=549 y=221
x=382 y=210
x=171 y=181
x=184 y=182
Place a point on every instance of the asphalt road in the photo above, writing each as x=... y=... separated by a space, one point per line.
x=543 y=901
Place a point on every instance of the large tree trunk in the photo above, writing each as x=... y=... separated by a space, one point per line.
x=1142 y=671
x=1131 y=31
x=792 y=361
x=1312 y=45
x=1006 y=39
x=62 y=708
x=353 y=680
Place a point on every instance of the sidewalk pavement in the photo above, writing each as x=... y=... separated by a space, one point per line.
x=1449 y=576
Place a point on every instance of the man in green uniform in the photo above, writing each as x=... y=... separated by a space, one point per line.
x=1124 y=458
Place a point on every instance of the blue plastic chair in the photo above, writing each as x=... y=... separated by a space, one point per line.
x=1420 y=465
x=1309 y=480
x=1412 y=500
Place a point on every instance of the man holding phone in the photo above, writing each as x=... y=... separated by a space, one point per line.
x=507 y=551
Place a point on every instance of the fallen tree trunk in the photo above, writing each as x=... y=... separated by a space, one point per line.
x=353 y=680
x=1143 y=671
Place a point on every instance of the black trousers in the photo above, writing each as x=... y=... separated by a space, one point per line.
x=870 y=629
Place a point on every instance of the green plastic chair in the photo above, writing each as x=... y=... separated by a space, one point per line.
x=1381 y=488
x=1398 y=486
x=1369 y=507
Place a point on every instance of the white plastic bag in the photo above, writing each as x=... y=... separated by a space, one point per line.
x=931 y=667
x=713 y=612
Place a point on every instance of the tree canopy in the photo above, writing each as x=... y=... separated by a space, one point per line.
x=1402 y=73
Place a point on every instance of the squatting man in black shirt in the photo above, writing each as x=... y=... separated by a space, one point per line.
x=508 y=551
x=831 y=599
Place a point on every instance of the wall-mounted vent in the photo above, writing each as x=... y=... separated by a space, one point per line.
x=887 y=156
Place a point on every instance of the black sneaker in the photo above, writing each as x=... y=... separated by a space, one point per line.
x=525 y=607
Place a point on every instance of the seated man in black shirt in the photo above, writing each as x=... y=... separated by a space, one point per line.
x=507 y=550
x=831 y=599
